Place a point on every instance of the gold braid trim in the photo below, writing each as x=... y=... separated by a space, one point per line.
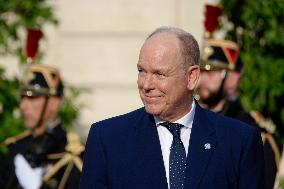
x=56 y=167
x=55 y=156
x=280 y=173
x=268 y=137
x=66 y=175
x=14 y=139
x=65 y=160
x=78 y=162
x=71 y=157
x=265 y=123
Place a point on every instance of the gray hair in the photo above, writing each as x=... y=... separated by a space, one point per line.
x=188 y=44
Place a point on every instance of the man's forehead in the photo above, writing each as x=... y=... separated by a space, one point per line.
x=154 y=66
x=153 y=52
x=162 y=38
x=159 y=46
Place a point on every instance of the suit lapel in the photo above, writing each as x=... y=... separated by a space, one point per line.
x=201 y=146
x=149 y=160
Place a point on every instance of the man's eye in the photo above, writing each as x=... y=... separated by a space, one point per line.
x=160 y=75
x=140 y=71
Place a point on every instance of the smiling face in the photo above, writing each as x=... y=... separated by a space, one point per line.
x=165 y=87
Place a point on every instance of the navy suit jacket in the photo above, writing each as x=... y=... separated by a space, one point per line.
x=124 y=152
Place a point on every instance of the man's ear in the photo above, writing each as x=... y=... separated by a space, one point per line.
x=193 y=73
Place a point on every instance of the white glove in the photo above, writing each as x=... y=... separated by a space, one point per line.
x=28 y=177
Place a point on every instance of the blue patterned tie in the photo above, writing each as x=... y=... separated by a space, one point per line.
x=177 y=157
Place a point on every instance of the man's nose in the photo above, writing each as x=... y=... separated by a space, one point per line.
x=148 y=82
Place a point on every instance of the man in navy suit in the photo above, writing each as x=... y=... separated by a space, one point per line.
x=135 y=150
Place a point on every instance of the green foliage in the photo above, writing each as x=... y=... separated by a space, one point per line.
x=281 y=184
x=259 y=29
x=10 y=120
x=17 y=15
x=69 y=111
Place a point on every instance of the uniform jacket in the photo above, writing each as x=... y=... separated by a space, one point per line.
x=35 y=150
x=124 y=152
x=234 y=109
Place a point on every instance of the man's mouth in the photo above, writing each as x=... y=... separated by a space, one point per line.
x=151 y=98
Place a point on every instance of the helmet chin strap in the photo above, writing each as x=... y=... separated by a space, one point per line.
x=43 y=110
x=213 y=100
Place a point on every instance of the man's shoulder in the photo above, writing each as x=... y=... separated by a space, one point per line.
x=231 y=132
x=124 y=119
x=20 y=138
x=118 y=125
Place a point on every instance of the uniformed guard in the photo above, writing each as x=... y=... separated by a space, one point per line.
x=221 y=70
x=221 y=66
x=29 y=158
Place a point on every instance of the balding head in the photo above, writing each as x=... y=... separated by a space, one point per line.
x=188 y=45
x=167 y=73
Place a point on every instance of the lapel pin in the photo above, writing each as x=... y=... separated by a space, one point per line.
x=207 y=146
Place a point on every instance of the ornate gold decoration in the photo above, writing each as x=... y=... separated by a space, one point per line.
x=70 y=158
x=14 y=139
x=266 y=137
x=265 y=123
x=27 y=77
x=207 y=51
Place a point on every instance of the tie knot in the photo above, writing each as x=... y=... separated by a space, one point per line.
x=174 y=128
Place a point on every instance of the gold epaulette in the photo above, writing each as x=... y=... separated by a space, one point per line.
x=14 y=139
x=265 y=123
x=69 y=158
x=266 y=137
x=74 y=145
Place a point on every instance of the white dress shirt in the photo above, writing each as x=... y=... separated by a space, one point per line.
x=166 y=136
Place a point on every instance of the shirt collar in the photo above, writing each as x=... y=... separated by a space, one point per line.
x=52 y=125
x=186 y=120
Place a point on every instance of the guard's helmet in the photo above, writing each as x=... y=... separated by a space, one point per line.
x=40 y=80
x=220 y=54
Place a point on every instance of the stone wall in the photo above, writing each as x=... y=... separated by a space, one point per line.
x=97 y=44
